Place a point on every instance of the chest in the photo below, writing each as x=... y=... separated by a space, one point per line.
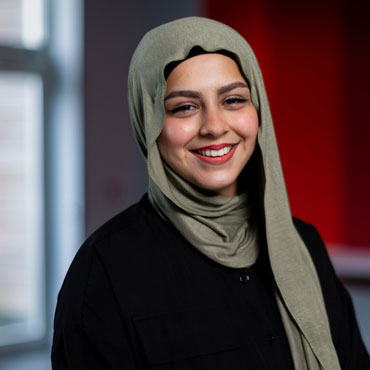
x=187 y=312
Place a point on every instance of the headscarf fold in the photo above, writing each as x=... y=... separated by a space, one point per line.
x=218 y=226
x=200 y=218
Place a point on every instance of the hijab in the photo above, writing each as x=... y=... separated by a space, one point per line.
x=220 y=227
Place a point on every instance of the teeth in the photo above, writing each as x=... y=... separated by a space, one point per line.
x=215 y=153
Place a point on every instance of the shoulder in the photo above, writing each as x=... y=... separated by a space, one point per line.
x=316 y=248
x=308 y=233
x=88 y=282
x=346 y=336
x=126 y=222
x=331 y=286
x=129 y=223
x=88 y=318
x=118 y=239
x=124 y=235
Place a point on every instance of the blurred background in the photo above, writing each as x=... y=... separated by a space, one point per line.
x=68 y=160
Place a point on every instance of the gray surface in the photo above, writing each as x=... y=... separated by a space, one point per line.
x=29 y=361
x=361 y=302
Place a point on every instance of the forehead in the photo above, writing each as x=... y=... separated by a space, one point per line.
x=209 y=68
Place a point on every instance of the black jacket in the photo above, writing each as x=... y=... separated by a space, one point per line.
x=138 y=296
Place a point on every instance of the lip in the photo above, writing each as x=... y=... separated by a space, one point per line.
x=216 y=160
x=215 y=146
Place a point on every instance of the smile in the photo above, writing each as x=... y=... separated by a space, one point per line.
x=215 y=153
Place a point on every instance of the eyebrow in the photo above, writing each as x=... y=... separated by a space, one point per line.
x=184 y=93
x=197 y=95
x=232 y=86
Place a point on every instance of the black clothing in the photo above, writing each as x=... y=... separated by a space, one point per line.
x=139 y=296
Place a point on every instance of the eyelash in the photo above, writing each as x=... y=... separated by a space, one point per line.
x=182 y=108
x=188 y=107
x=235 y=100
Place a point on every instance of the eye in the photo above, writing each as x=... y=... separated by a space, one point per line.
x=234 y=100
x=182 y=109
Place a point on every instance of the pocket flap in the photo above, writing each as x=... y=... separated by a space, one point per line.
x=179 y=335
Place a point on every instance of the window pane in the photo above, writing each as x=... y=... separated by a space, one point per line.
x=22 y=23
x=21 y=211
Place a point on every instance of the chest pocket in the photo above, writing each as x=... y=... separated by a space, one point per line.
x=191 y=339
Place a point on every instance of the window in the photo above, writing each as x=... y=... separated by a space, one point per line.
x=22 y=252
x=21 y=212
x=22 y=23
x=41 y=166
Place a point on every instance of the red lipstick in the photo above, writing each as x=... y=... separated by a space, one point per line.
x=215 y=160
x=215 y=146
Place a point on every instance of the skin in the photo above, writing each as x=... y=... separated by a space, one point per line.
x=207 y=102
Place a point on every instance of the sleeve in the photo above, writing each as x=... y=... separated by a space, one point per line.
x=89 y=332
x=346 y=336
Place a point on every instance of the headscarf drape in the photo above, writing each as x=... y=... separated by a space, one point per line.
x=298 y=289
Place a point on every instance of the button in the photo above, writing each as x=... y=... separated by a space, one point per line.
x=244 y=278
x=270 y=339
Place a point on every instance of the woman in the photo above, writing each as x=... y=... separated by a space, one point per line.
x=208 y=271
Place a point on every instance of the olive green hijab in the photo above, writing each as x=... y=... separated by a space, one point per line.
x=220 y=227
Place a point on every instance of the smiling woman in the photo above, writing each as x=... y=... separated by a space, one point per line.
x=210 y=127
x=209 y=270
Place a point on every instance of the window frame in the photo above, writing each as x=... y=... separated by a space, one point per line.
x=60 y=74
x=36 y=61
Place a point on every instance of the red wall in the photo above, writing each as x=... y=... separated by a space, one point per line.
x=315 y=60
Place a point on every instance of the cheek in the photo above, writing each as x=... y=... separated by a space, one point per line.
x=176 y=134
x=247 y=125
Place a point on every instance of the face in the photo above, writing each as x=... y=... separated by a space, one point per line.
x=211 y=125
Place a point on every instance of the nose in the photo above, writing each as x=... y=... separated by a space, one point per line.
x=213 y=123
